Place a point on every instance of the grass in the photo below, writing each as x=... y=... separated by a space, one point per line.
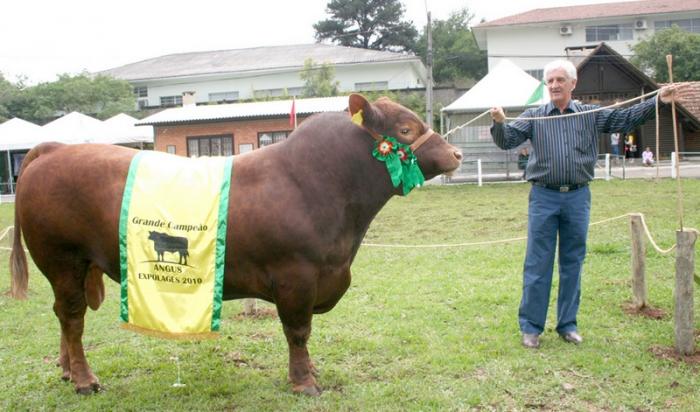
x=419 y=329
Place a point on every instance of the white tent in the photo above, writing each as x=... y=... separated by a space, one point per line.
x=74 y=128
x=121 y=129
x=17 y=134
x=507 y=86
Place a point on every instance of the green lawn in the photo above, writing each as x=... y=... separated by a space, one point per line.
x=419 y=329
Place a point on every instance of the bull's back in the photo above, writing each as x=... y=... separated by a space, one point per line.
x=69 y=200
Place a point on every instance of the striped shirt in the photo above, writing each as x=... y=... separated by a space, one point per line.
x=564 y=151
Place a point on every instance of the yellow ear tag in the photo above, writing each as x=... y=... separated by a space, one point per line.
x=357 y=118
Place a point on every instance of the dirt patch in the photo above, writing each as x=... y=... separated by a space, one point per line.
x=645 y=311
x=670 y=354
x=265 y=313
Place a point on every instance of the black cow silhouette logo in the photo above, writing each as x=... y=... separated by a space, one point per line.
x=163 y=242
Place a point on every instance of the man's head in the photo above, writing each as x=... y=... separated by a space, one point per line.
x=560 y=78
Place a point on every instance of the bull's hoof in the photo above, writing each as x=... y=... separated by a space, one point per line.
x=88 y=390
x=66 y=376
x=310 y=390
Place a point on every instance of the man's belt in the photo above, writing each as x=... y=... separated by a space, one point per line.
x=561 y=188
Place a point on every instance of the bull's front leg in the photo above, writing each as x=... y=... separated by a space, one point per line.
x=294 y=299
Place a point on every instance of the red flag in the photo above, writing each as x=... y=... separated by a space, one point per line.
x=293 y=114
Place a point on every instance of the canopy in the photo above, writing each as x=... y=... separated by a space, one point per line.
x=18 y=134
x=507 y=86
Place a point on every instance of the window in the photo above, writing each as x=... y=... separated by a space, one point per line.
x=610 y=32
x=268 y=138
x=221 y=145
x=245 y=148
x=280 y=92
x=141 y=91
x=691 y=25
x=223 y=97
x=368 y=86
x=171 y=101
x=537 y=73
x=170 y=148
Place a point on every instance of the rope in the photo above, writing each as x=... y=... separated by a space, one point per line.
x=5 y=232
x=492 y=242
x=553 y=117
x=585 y=111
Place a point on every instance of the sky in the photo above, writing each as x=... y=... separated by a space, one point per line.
x=40 y=39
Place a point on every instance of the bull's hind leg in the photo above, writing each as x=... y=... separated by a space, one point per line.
x=70 y=307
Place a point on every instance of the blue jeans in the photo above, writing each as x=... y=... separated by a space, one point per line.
x=551 y=212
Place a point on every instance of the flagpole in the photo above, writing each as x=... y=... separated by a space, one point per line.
x=294 y=110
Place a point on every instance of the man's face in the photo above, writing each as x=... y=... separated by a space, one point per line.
x=560 y=86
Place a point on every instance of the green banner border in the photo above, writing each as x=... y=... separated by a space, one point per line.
x=123 y=220
x=221 y=245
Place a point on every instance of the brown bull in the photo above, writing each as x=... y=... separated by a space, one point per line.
x=297 y=214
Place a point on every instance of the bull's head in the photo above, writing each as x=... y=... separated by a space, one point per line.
x=386 y=118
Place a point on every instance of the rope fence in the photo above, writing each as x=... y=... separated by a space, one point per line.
x=515 y=239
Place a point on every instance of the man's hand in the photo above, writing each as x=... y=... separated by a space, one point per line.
x=497 y=114
x=667 y=93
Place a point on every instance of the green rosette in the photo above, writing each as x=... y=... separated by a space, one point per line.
x=400 y=162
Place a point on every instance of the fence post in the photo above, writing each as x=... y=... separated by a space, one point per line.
x=478 y=172
x=607 y=166
x=639 y=286
x=674 y=159
x=683 y=292
x=249 y=306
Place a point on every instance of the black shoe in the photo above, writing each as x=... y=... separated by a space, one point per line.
x=531 y=340
x=572 y=337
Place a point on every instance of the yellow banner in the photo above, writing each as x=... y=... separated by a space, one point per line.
x=172 y=244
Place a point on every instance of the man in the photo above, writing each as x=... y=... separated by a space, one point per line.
x=648 y=157
x=563 y=154
x=615 y=144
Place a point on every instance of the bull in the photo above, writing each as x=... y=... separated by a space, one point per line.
x=163 y=242
x=297 y=214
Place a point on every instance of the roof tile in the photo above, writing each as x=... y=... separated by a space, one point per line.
x=595 y=11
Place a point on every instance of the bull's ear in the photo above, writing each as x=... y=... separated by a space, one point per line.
x=363 y=113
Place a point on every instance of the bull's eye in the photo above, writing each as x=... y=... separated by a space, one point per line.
x=405 y=130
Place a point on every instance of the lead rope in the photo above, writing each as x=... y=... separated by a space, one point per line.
x=554 y=117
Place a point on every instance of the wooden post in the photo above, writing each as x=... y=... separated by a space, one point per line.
x=249 y=307
x=683 y=292
x=639 y=286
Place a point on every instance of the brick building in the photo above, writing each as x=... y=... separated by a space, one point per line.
x=228 y=129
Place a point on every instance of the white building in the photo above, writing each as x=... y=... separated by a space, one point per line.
x=232 y=75
x=533 y=38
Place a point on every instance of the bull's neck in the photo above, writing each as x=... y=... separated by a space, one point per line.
x=349 y=175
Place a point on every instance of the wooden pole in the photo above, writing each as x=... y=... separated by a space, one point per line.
x=669 y=62
x=683 y=292
x=639 y=286
x=249 y=307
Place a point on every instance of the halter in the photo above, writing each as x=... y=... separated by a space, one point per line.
x=414 y=146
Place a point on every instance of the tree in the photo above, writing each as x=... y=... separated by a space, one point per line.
x=368 y=24
x=650 y=55
x=318 y=80
x=8 y=93
x=100 y=96
x=456 y=56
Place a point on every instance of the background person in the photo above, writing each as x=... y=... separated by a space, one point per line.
x=563 y=153
x=648 y=157
x=615 y=143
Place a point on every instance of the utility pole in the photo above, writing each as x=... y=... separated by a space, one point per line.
x=429 y=77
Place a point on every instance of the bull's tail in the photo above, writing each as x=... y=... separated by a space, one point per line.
x=18 y=259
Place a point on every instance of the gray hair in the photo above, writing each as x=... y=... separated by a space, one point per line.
x=560 y=64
